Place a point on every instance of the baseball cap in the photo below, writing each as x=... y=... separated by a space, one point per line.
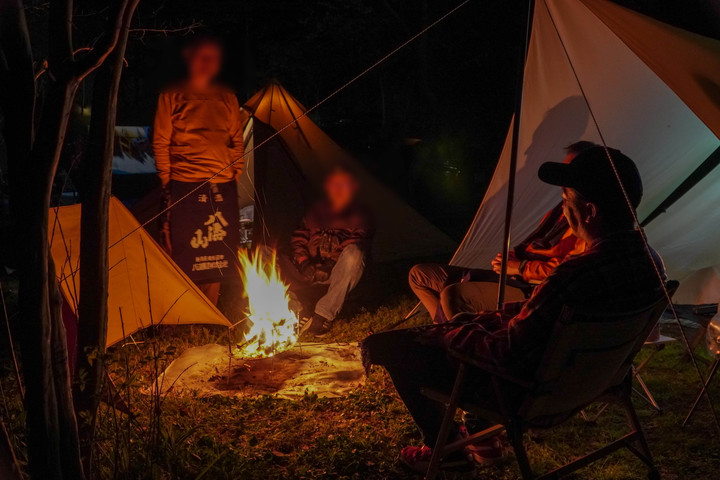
x=592 y=176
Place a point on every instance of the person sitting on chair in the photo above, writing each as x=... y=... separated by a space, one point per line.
x=330 y=248
x=447 y=290
x=617 y=272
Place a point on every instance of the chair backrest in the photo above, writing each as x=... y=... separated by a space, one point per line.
x=589 y=352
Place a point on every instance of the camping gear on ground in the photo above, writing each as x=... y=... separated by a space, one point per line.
x=651 y=88
x=139 y=270
x=713 y=343
x=589 y=359
x=205 y=229
x=712 y=336
x=714 y=367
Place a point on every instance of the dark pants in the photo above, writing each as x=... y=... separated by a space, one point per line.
x=415 y=363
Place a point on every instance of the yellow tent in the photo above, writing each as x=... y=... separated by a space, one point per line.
x=139 y=268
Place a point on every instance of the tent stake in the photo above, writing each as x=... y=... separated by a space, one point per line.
x=513 y=157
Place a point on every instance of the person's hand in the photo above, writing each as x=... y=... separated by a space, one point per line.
x=322 y=272
x=307 y=270
x=513 y=264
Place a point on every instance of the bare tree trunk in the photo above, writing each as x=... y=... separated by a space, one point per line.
x=31 y=205
x=33 y=159
x=95 y=198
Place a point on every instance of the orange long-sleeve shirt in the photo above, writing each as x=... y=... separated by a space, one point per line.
x=536 y=271
x=541 y=257
x=197 y=135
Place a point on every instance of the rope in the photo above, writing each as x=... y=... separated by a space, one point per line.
x=304 y=114
x=639 y=227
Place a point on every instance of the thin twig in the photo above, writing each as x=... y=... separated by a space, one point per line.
x=12 y=344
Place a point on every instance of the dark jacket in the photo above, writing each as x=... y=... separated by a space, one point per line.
x=615 y=274
x=324 y=234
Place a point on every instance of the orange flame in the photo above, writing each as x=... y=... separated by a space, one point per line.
x=274 y=326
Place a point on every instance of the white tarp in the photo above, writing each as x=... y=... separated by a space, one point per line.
x=651 y=88
x=327 y=370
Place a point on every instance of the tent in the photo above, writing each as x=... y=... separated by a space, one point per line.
x=139 y=268
x=654 y=91
x=133 y=152
x=285 y=173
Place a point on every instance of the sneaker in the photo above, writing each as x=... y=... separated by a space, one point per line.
x=319 y=326
x=304 y=324
x=483 y=452
x=456 y=466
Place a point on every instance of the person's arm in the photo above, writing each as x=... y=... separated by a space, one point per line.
x=162 y=136
x=299 y=243
x=535 y=271
x=236 y=135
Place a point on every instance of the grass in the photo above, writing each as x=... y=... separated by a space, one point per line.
x=357 y=437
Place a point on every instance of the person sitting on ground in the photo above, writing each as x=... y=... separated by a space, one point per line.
x=447 y=290
x=617 y=272
x=330 y=248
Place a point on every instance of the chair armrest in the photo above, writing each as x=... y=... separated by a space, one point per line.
x=490 y=369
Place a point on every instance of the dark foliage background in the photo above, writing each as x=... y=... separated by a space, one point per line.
x=430 y=122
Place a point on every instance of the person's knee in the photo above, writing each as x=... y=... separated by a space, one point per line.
x=449 y=295
x=353 y=255
x=417 y=277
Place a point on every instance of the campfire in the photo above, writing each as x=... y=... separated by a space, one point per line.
x=273 y=326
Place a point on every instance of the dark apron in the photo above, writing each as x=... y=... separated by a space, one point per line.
x=205 y=230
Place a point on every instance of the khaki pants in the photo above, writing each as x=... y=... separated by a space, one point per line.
x=443 y=293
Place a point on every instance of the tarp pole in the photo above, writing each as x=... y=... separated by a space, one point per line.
x=513 y=156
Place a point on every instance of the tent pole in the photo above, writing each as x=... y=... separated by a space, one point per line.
x=688 y=184
x=513 y=156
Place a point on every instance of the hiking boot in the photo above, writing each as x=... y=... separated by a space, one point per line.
x=456 y=466
x=319 y=326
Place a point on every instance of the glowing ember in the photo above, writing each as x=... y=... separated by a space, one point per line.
x=274 y=326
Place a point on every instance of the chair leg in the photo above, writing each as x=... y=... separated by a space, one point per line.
x=634 y=423
x=648 y=397
x=450 y=410
x=713 y=371
x=515 y=435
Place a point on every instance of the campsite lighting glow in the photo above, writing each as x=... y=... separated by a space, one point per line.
x=274 y=326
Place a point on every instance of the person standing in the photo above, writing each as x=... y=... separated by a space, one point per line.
x=198 y=147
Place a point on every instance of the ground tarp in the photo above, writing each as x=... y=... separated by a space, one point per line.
x=326 y=370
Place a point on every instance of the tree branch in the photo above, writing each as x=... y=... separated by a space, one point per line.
x=87 y=64
x=185 y=30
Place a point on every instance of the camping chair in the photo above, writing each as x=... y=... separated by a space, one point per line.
x=657 y=342
x=644 y=392
x=589 y=358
